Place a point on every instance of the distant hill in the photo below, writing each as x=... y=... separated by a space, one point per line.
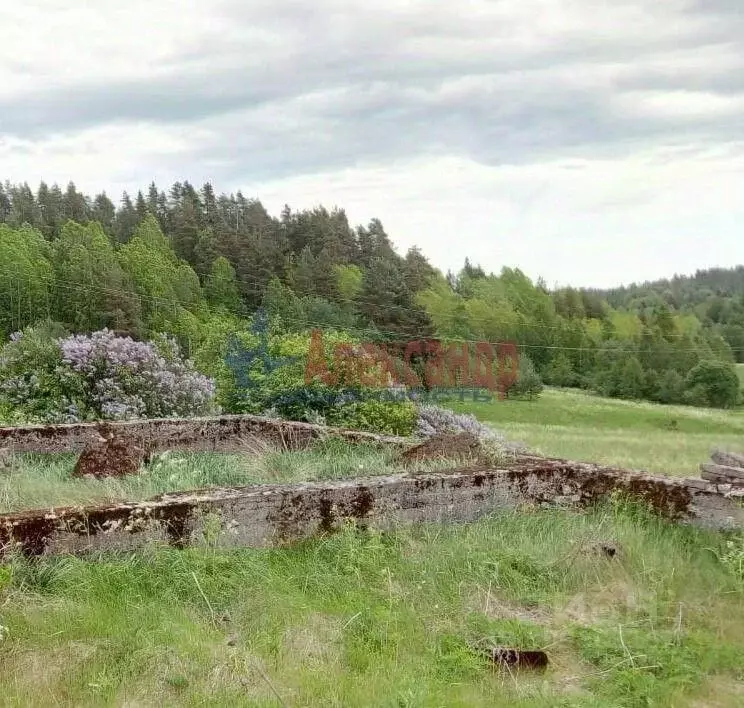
x=715 y=297
x=684 y=290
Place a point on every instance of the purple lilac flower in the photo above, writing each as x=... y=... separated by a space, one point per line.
x=128 y=379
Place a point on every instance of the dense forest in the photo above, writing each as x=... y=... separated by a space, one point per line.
x=198 y=265
x=715 y=297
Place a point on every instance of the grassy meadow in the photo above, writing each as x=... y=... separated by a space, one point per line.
x=370 y=619
x=575 y=425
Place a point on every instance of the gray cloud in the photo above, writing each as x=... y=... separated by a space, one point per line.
x=302 y=87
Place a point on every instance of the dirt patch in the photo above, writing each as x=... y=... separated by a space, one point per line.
x=114 y=454
x=487 y=601
x=315 y=641
x=450 y=446
x=616 y=601
x=42 y=672
x=720 y=692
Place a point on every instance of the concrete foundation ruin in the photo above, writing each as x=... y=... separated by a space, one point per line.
x=267 y=515
x=229 y=433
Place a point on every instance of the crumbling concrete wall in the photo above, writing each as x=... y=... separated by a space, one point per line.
x=218 y=434
x=274 y=514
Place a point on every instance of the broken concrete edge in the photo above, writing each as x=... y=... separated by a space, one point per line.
x=724 y=473
x=274 y=514
x=227 y=433
x=727 y=458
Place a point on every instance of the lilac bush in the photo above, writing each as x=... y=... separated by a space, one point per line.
x=433 y=420
x=103 y=377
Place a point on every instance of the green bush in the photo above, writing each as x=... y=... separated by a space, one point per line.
x=671 y=387
x=269 y=374
x=631 y=381
x=712 y=383
x=528 y=383
x=266 y=370
x=560 y=372
x=388 y=417
x=32 y=390
x=651 y=385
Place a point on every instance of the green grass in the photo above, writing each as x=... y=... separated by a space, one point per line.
x=370 y=619
x=575 y=425
x=40 y=481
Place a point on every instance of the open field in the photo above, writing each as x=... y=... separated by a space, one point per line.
x=639 y=435
x=388 y=620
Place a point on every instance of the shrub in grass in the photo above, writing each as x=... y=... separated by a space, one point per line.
x=433 y=420
x=393 y=418
x=528 y=384
x=98 y=377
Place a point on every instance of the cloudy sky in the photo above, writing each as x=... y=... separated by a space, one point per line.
x=587 y=142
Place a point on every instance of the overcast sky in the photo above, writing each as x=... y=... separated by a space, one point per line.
x=587 y=142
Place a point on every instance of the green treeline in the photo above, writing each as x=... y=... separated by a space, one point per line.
x=198 y=265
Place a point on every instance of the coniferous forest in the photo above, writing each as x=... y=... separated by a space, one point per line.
x=197 y=265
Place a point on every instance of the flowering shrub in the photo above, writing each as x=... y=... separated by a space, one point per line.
x=433 y=420
x=99 y=377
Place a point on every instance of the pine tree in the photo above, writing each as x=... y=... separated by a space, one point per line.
x=152 y=198
x=140 y=206
x=24 y=209
x=205 y=251
x=74 y=205
x=126 y=220
x=387 y=302
x=209 y=204
x=528 y=384
x=104 y=212
x=186 y=226
x=5 y=205
x=221 y=288
x=417 y=270
x=303 y=275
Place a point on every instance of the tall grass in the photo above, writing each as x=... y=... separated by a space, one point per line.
x=372 y=619
x=40 y=481
x=37 y=481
